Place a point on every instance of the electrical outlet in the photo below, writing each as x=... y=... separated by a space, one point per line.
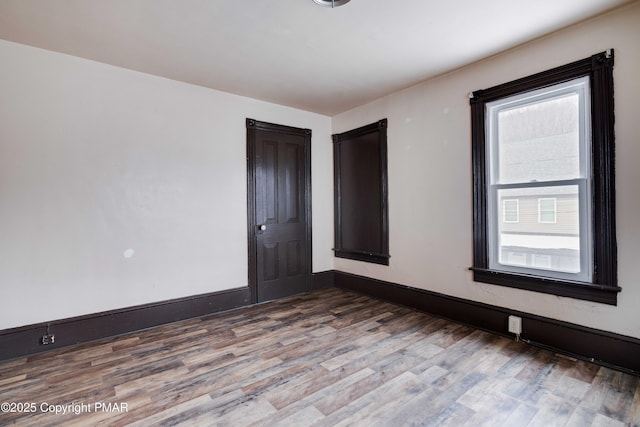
x=515 y=325
x=48 y=339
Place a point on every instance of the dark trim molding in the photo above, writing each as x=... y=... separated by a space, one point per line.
x=583 y=67
x=604 y=348
x=361 y=186
x=25 y=340
x=322 y=280
x=603 y=287
x=601 y=347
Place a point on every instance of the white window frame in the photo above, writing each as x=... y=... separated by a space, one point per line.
x=555 y=210
x=579 y=86
x=541 y=261
x=504 y=211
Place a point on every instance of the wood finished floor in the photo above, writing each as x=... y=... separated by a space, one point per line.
x=328 y=358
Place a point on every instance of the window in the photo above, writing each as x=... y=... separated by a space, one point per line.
x=510 y=210
x=547 y=211
x=544 y=211
x=537 y=148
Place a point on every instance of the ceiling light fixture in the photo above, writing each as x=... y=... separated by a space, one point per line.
x=332 y=3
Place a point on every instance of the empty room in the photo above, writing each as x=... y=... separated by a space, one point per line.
x=319 y=213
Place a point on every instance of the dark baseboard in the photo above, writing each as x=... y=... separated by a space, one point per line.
x=25 y=340
x=322 y=280
x=604 y=348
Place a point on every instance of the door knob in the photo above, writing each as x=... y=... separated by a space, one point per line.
x=262 y=227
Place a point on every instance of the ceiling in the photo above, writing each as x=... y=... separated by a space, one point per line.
x=290 y=52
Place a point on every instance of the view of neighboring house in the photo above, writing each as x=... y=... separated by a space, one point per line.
x=541 y=231
x=538 y=215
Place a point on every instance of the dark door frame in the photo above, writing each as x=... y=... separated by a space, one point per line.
x=253 y=126
x=365 y=192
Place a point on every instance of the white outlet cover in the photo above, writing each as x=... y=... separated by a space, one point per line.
x=515 y=324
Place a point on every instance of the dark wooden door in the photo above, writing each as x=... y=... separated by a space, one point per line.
x=279 y=210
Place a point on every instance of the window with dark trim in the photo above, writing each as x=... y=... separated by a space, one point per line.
x=360 y=191
x=547 y=141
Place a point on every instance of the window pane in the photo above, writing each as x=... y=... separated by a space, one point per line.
x=539 y=141
x=547 y=210
x=530 y=242
x=510 y=210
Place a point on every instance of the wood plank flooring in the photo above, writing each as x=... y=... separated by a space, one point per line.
x=328 y=358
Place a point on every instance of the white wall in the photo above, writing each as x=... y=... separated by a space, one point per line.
x=429 y=148
x=97 y=160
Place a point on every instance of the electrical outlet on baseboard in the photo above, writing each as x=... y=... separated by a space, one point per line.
x=48 y=339
x=515 y=325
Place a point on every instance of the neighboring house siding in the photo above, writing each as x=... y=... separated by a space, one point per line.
x=566 y=217
x=532 y=243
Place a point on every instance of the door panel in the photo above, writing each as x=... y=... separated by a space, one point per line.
x=270 y=267
x=279 y=221
x=294 y=261
x=294 y=156
x=269 y=196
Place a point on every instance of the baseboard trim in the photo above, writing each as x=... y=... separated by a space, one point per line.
x=25 y=340
x=604 y=348
x=322 y=280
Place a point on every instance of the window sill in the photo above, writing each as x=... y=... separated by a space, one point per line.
x=362 y=256
x=564 y=288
